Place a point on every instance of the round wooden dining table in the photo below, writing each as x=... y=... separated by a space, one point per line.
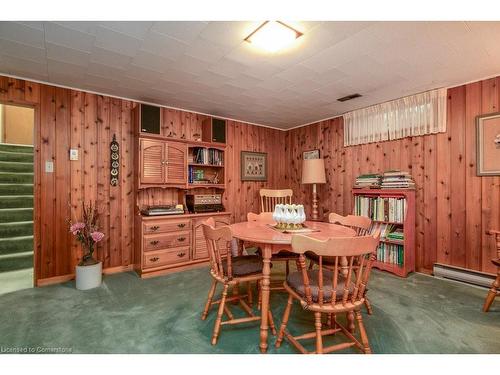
x=273 y=241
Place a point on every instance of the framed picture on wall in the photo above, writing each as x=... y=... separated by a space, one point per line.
x=253 y=166
x=312 y=154
x=488 y=144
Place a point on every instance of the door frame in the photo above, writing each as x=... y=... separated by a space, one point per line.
x=36 y=182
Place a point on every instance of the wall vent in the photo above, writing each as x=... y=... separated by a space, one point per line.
x=349 y=97
x=445 y=271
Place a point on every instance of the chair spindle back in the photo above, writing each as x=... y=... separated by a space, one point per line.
x=213 y=236
x=361 y=224
x=359 y=252
x=269 y=198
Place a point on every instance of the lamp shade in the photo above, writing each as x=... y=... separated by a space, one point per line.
x=313 y=171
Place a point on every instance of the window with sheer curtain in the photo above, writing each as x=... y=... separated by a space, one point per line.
x=420 y=114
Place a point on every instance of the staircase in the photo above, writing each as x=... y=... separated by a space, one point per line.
x=16 y=208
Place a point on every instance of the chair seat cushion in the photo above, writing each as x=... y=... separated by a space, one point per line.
x=244 y=265
x=296 y=282
x=328 y=261
x=283 y=255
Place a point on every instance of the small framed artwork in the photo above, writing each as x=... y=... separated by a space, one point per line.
x=312 y=154
x=488 y=144
x=253 y=166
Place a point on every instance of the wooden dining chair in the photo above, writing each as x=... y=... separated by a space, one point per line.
x=361 y=224
x=269 y=198
x=229 y=271
x=326 y=291
x=494 y=291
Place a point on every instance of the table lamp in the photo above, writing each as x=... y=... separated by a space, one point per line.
x=313 y=172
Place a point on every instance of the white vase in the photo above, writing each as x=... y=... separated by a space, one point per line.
x=276 y=213
x=301 y=214
x=88 y=277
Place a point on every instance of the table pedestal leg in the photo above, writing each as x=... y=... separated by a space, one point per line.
x=266 y=271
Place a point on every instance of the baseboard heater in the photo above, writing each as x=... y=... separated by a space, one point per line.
x=445 y=271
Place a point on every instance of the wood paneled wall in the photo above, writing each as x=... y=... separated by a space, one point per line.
x=454 y=207
x=73 y=119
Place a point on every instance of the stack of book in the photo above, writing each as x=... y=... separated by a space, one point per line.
x=380 y=209
x=397 y=180
x=367 y=181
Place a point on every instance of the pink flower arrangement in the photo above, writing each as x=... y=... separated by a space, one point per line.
x=97 y=236
x=76 y=228
x=87 y=233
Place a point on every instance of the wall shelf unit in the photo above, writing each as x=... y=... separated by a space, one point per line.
x=392 y=210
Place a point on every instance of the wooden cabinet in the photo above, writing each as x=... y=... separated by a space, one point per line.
x=162 y=163
x=164 y=244
x=152 y=157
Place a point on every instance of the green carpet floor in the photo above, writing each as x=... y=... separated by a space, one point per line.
x=16 y=210
x=419 y=314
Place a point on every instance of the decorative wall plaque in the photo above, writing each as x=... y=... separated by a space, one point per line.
x=115 y=161
x=253 y=166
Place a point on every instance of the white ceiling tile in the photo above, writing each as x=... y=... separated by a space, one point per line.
x=72 y=56
x=21 y=51
x=67 y=37
x=227 y=68
x=109 y=58
x=87 y=27
x=163 y=45
x=116 y=42
x=21 y=67
x=103 y=70
x=149 y=61
x=135 y=29
x=207 y=67
x=206 y=51
x=186 y=31
x=228 y=33
x=33 y=24
x=55 y=67
x=22 y=33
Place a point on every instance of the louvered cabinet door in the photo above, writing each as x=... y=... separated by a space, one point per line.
x=152 y=156
x=176 y=163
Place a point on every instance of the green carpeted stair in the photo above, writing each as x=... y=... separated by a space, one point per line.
x=16 y=207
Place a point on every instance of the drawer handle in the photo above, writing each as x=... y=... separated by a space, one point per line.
x=180 y=255
x=154 y=259
x=181 y=225
x=181 y=239
x=155 y=242
x=155 y=227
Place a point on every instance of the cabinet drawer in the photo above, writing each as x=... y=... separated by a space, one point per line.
x=166 y=226
x=164 y=241
x=164 y=257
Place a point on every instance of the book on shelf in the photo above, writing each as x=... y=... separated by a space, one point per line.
x=380 y=208
x=390 y=253
x=207 y=156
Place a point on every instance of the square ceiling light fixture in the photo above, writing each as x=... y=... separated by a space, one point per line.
x=273 y=36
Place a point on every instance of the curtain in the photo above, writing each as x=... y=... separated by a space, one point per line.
x=414 y=115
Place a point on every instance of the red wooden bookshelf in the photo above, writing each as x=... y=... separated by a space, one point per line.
x=408 y=226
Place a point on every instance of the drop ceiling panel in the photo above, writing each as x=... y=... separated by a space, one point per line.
x=207 y=66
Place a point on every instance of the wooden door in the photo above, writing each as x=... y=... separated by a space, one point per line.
x=176 y=162
x=200 y=250
x=152 y=156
